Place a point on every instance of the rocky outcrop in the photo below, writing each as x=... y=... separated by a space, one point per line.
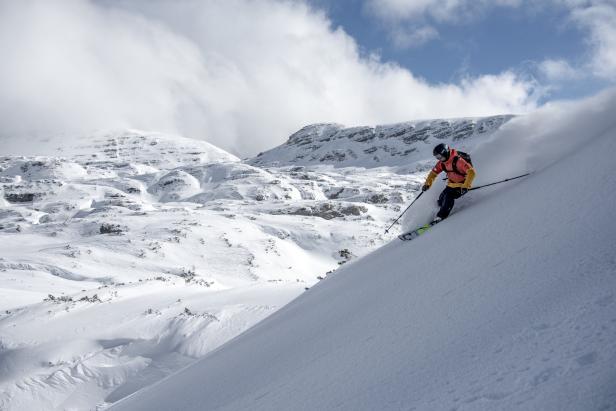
x=386 y=145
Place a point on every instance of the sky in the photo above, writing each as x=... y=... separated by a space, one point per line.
x=513 y=36
x=245 y=74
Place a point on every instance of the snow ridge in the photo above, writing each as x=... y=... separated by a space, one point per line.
x=385 y=145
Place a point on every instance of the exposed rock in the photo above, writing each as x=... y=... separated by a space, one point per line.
x=355 y=146
x=328 y=211
x=106 y=228
x=378 y=199
x=21 y=197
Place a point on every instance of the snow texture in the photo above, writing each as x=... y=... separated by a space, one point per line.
x=127 y=257
x=509 y=304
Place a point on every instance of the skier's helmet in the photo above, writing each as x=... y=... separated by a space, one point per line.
x=441 y=152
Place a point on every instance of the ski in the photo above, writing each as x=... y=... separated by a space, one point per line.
x=417 y=232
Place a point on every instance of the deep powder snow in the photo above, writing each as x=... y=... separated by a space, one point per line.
x=509 y=304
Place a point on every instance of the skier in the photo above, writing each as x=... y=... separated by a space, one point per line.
x=460 y=175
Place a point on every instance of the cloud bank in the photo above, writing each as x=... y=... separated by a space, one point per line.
x=240 y=74
x=598 y=18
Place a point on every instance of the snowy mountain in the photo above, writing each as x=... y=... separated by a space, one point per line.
x=509 y=304
x=127 y=258
x=129 y=255
x=388 y=145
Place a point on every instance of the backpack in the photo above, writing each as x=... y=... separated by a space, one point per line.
x=465 y=156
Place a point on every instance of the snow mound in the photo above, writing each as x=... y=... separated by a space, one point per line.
x=41 y=168
x=175 y=186
x=509 y=304
x=158 y=150
x=237 y=181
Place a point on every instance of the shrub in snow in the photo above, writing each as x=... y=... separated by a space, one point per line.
x=345 y=254
x=110 y=229
x=189 y=313
x=60 y=299
x=378 y=199
x=21 y=197
x=93 y=299
x=188 y=274
x=151 y=311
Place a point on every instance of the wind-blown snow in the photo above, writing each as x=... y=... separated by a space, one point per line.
x=509 y=304
x=526 y=144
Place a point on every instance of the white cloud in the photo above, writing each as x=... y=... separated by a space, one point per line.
x=242 y=74
x=405 y=37
x=558 y=70
x=599 y=19
x=75 y=66
x=439 y=10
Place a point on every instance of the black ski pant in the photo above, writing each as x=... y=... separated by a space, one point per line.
x=447 y=199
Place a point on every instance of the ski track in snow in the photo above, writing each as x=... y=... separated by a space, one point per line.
x=126 y=258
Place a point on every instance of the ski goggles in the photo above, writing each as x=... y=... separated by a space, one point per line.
x=440 y=157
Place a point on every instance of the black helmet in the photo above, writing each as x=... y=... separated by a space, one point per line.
x=441 y=152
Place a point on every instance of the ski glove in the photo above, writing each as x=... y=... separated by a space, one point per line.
x=425 y=187
x=470 y=176
x=429 y=180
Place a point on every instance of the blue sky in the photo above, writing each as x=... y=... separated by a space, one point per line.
x=498 y=39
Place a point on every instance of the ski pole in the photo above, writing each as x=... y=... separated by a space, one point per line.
x=400 y=216
x=498 y=182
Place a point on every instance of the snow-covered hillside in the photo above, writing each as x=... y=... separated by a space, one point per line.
x=510 y=304
x=388 y=145
x=126 y=257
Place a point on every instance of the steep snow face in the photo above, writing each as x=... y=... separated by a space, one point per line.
x=389 y=145
x=509 y=304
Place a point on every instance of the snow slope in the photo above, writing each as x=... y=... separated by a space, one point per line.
x=510 y=304
x=130 y=256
